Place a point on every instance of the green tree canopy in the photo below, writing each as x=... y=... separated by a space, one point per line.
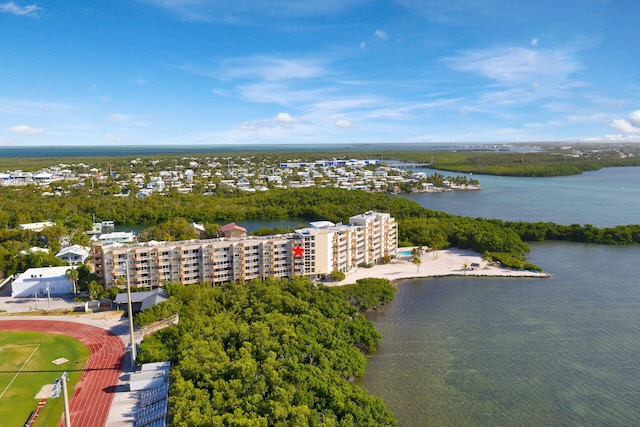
x=273 y=352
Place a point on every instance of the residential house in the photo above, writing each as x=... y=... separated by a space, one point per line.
x=232 y=230
x=74 y=254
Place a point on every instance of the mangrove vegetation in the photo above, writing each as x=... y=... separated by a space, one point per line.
x=268 y=353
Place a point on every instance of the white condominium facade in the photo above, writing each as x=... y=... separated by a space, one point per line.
x=315 y=251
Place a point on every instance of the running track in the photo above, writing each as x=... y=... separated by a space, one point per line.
x=89 y=405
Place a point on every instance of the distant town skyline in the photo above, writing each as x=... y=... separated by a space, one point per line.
x=151 y=72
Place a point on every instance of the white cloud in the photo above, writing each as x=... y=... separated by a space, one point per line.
x=381 y=35
x=114 y=138
x=534 y=42
x=271 y=69
x=278 y=93
x=281 y=120
x=243 y=11
x=118 y=118
x=511 y=96
x=285 y=118
x=622 y=125
x=515 y=66
x=26 y=130
x=11 y=7
x=634 y=117
x=614 y=138
x=363 y=45
x=348 y=103
x=31 y=108
x=630 y=126
x=343 y=123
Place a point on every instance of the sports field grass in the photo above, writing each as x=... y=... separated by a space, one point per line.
x=26 y=364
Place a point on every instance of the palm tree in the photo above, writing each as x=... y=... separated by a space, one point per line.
x=417 y=262
x=72 y=275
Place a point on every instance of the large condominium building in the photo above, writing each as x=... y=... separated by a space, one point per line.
x=315 y=251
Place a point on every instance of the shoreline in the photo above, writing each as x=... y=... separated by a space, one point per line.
x=443 y=263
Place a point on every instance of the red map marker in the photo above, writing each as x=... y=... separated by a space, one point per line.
x=298 y=251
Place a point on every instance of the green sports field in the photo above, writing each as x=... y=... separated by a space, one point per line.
x=27 y=364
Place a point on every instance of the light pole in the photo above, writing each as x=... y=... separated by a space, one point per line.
x=130 y=315
x=65 y=399
x=60 y=387
x=49 y=296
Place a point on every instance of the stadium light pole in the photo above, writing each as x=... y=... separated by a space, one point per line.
x=130 y=315
x=65 y=400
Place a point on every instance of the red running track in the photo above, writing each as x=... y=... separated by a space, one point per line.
x=91 y=400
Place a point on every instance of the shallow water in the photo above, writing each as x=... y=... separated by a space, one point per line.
x=526 y=352
x=503 y=352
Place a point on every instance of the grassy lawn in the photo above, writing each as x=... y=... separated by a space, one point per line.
x=26 y=364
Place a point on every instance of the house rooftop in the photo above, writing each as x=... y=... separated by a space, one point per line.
x=232 y=226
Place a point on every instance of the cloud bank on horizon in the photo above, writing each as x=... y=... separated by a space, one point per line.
x=142 y=72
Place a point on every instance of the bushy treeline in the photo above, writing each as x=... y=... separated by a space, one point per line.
x=418 y=226
x=16 y=255
x=368 y=294
x=79 y=207
x=540 y=231
x=265 y=353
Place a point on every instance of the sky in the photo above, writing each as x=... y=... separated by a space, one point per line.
x=151 y=72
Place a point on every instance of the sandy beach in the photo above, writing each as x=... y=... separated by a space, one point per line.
x=447 y=262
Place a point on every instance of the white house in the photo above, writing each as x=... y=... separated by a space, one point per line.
x=42 y=282
x=75 y=254
x=116 y=237
x=36 y=226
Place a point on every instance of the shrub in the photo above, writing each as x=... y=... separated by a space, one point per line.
x=337 y=276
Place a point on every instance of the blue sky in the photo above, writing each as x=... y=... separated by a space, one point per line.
x=141 y=72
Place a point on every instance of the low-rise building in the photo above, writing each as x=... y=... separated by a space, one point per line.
x=36 y=226
x=42 y=282
x=232 y=230
x=115 y=237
